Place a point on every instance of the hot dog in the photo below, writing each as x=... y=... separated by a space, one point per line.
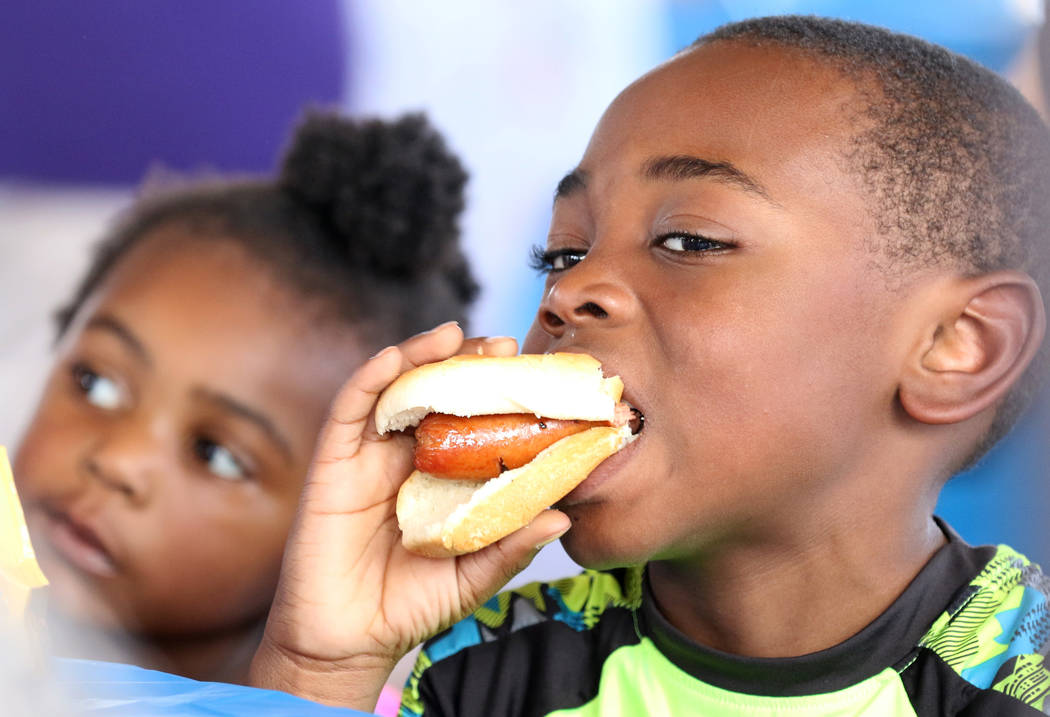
x=482 y=447
x=484 y=465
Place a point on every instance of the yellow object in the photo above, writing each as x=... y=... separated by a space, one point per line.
x=19 y=572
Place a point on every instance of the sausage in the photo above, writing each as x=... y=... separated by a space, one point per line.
x=482 y=447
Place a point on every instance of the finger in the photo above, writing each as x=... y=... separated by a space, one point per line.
x=435 y=345
x=490 y=346
x=349 y=415
x=348 y=423
x=482 y=573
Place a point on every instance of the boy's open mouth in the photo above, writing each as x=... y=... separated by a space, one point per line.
x=628 y=415
x=636 y=421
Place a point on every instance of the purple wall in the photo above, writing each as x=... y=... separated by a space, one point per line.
x=96 y=92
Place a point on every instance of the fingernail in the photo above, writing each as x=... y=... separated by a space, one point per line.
x=379 y=353
x=441 y=327
x=498 y=339
x=551 y=539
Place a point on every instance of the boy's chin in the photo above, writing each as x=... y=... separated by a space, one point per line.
x=595 y=548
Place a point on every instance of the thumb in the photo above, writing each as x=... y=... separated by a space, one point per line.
x=482 y=573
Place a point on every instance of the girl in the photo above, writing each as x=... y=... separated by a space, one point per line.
x=194 y=367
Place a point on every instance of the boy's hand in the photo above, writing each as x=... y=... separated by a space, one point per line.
x=351 y=600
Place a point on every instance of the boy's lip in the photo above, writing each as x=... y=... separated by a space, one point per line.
x=78 y=543
x=605 y=471
x=614 y=463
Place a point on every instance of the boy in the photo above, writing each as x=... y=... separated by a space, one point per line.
x=813 y=252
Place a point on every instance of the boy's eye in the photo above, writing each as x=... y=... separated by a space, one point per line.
x=683 y=242
x=98 y=390
x=547 y=261
x=218 y=459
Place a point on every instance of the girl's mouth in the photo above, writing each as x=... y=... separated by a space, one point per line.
x=79 y=545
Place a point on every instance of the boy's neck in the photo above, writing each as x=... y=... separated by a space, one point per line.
x=790 y=598
x=217 y=657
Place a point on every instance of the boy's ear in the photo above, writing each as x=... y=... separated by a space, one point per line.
x=990 y=328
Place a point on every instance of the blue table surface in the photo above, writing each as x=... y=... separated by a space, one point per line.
x=111 y=689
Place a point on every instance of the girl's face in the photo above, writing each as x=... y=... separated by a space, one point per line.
x=162 y=468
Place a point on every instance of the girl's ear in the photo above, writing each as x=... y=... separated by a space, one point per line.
x=978 y=348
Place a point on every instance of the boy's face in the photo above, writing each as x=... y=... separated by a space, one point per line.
x=162 y=468
x=726 y=280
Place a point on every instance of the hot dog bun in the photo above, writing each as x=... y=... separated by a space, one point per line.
x=439 y=517
x=559 y=385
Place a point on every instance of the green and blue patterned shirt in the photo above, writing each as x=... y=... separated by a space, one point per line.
x=967 y=637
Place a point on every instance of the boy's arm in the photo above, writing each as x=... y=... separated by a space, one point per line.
x=351 y=601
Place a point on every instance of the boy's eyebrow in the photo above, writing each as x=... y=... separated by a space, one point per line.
x=571 y=183
x=115 y=326
x=248 y=413
x=683 y=166
x=675 y=168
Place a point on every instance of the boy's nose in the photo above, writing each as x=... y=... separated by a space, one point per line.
x=553 y=322
x=586 y=296
x=123 y=463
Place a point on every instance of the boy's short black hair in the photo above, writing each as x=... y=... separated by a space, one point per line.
x=956 y=161
x=363 y=219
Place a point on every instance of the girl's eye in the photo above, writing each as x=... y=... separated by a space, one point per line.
x=545 y=261
x=218 y=459
x=683 y=242
x=98 y=390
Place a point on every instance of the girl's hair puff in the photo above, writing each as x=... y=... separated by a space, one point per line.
x=362 y=220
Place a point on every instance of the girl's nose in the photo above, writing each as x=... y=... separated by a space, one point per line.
x=125 y=460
